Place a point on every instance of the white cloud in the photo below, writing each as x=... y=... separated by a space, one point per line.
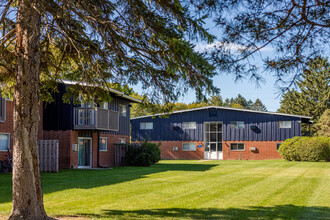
x=202 y=47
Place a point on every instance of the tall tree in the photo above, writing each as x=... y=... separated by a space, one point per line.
x=323 y=125
x=98 y=41
x=313 y=96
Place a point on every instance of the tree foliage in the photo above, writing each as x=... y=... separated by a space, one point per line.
x=126 y=42
x=148 y=108
x=313 y=95
x=323 y=125
x=43 y=42
x=293 y=31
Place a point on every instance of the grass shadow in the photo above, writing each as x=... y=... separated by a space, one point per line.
x=85 y=179
x=255 y=212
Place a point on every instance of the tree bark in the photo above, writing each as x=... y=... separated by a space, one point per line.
x=27 y=193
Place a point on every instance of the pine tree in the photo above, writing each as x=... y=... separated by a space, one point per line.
x=313 y=97
x=258 y=106
x=323 y=125
x=95 y=41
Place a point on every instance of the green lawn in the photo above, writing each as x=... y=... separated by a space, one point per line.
x=188 y=190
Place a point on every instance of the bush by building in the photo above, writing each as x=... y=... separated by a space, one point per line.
x=142 y=154
x=306 y=149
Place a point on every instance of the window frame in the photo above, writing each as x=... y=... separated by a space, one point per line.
x=122 y=140
x=187 y=125
x=189 y=146
x=8 y=147
x=279 y=124
x=145 y=127
x=102 y=105
x=121 y=112
x=106 y=144
x=237 y=146
x=237 y=124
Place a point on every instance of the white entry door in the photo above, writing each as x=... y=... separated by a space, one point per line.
x=213 y=141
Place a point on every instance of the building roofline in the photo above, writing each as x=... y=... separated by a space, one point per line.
x=224 y=108
x=118 y=93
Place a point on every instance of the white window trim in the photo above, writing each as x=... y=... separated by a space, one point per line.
x=279 y=124
x=102 y=105
x=106 y=144
x=120 y=108
x=188 y=125
x=145 y=128
x=236 y=124
x=237 y=146
x=189 y=144
x=8 y=142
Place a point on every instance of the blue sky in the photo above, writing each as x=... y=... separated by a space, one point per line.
x=267 y=92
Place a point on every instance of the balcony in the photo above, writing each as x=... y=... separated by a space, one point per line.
x=95 y=119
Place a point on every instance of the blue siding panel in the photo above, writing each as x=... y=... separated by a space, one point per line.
x=163 y=128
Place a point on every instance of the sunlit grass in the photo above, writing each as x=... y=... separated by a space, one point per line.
x=188 y=190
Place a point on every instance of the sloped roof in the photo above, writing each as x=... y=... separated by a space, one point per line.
x=118 y=93
x=223 y=108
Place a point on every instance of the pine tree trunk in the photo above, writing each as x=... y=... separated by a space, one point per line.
x=27 y=194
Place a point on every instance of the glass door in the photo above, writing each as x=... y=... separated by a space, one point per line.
x=213 y=140
x=84 y=152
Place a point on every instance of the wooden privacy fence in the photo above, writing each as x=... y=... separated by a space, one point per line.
x=120 y=153
x=48 y=155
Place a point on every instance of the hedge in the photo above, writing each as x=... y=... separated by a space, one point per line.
x=306 y=149
x=142 y=154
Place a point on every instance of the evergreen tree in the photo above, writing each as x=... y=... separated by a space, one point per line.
x=313 y=97
x=323 y=125
x=258 y=106
x=96 y=41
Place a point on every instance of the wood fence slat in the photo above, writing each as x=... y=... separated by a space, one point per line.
x=48 y=155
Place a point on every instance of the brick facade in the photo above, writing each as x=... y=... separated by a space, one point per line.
x=68 y=157
x=265 y=150
x=167 y=152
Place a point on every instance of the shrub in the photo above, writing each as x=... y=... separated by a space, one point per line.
x=306 y=149
x=144 y=154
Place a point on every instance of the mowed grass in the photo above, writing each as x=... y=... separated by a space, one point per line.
x=188 y=190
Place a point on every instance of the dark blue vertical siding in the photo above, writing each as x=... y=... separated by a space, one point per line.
x=266 y=126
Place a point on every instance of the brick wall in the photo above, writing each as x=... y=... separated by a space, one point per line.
x=167 y=152
x=107 y=158
x=265 y=150
x=7 y=126
x=65 y=141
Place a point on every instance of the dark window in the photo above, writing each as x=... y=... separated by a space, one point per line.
x=103 y=144
x=278 y=146
x=237 y=147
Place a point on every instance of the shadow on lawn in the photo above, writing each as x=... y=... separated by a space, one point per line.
x=255 y=212
x=85 y=179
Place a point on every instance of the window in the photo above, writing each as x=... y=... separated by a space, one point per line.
x=104 y=105
x=237 y=147
x=122 y=141
x=189 y=146
x=278 y=145
x=4 y=142
x=189 y=125
x=284 y=124
x=123 y=110
x=103 y=144
x=237 y=124
x=146 y=125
